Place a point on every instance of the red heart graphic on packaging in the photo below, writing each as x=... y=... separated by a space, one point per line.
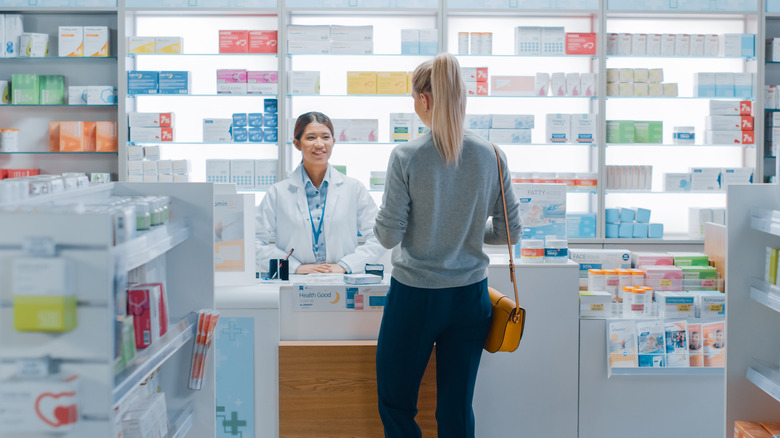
x=61 y=415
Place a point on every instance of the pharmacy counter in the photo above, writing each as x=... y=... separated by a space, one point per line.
x=535 y=387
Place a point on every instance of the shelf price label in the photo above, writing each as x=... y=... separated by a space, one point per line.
x=665 y=282
x=597 y=307
x=716 y=308
x=683 y=307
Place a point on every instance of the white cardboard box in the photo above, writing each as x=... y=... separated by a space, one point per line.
x=96 y=41
x=558 y=128
x=356 y=130
x=217 y=130
x=218 y=171
x=71 y=41
x=305 y=82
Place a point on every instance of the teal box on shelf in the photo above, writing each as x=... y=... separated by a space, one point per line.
x=641 y=231
x=270 y=120
x=255 y=120
x=142 y=82
x=626 y=230
x=173 y=82
x=580 y=225
x=270 y=135
x=270 y=106
x=240 y=120
x=655 y=231
x=612 y=215
x=627 y=215
x=255 y=135
x=643 y=215
x=611 y=231
x=240 y=134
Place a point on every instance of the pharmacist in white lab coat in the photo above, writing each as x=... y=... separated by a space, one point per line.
x=292 y=211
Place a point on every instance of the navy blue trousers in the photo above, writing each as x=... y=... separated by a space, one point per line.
x=457 y=320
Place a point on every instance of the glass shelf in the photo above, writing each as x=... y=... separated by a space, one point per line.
x=685 y=14
x=765 y=224
x=470 y=97
x=509 y=145
x=530 y=56
x=108 y=105
x=667 y=371
x=747 y=58
x=204 y=95
x=361 y=54
x=163 y=143
x=652 y=192
x=766 y=378
x=680 y=145
x=680 y=97
x=49 y=58
x=57 y=153
x=141 y=55
x=765 y=294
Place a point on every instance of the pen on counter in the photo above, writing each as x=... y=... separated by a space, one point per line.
x=279 y=265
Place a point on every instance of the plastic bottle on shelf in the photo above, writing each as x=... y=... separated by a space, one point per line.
x=532 y=251
x=596 y=280
x=556 y=250
x=611 y=282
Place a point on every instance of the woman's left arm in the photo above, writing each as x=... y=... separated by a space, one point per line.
x=371 y=251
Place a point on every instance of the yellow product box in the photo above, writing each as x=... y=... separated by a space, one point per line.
x=43 y=294
x=138 y=44
x=361 y=82
x=45 y=313
x=71 y=136
x=96 y=41
x=71 y=41
x=392 y=82
x=409 y=83
x=168 y=44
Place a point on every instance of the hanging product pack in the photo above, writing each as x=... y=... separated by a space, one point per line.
x=508 y=321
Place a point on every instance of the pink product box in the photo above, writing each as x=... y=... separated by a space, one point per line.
x=262 y=77
x=663 y=277
x=231 y=76
x=639 y=259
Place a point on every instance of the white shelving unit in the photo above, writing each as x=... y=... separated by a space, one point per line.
x=88 y=351
x=752 y=307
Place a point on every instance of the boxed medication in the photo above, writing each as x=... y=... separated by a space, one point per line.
x=106 y=137
x=677 y=182
x=506 y=121
x=11 y=29
x=270 y=120
x=263 y=41
x=141 y=135
x=728 y=137
x=181 y=167
x=173 y=82
x=595 y=304
x=653 y=44
x=704 y=84
x=52 y=90
x=697 y=45
x=510 y=136
x=641 y=75
x=641 y=259
x=242 y=173
x=401 y=125
x=697 y=217
x=668 y=44
x=361 y=82
x=356 y=130
x=218 y=171
x=265 y=174
x=240 y=134
x=351 y=33
x=169 y=44
x=612 y=39
x=739 y=175
x=71 y=41
x=724 y=84
x=377 y=180
x=599 y=259
x=673 y=304
x=141 y=45
x=613 y=75
x=308 y=47
x=655 y=75
x=739 y=45
x=729 y=123
x=270 y=105
x=698 y=272
x=710 y=304
x=641 y=89
x=624 y=44
x=391 y=82
x=553 y=41
x=96 y=41
x=71 y=136
x=231 y=81
x=262 y=82
x=682 y=45
x=543 y=209
x=583 y=128
x=152 y=152
x=270 y=135
x=255 y=135
x=25 y=89
x=705 y=178
x=663 y=277
x=573 y=84
x=255 y=120
x=558 y=128
x=351 y=47
x=135 y=153
x=587 y=84
x=580 y=225
x=528 y=40
x=233 y=41
x=558 y=84
x=626 y=89
x=684 y=259
x=304 y=82
x=165 y=167
x=308 y=33
x=731 y=108
x=101 y=95
x=711 y=45
x=476 y=88
x=743 y=85
x=542 y=84
x=149 y=167
x=474 y=74
x=240 y=120
x=35 y=45
x=161 y=120
x=410 y=42
x=638 y=44
x=217 y=131
x=580 y=43
x=512 y=85
x=142 y=82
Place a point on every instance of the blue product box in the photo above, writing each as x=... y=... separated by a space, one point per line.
x=580 y=225
x=142 y=82
x=627 y=215
x=270 y=120
x=655 y=231
x=643 y=215
x=410 y=47
x=255 y=120
x=270 y=106
x=611 y=231
x=641 y=230
x=626 y=230
x=174 y=82
x=240 y=120
x=612 y=215
x=724 y=90
x=240 y=134
x=270 y=135
x=255 y=135
x=748 y=45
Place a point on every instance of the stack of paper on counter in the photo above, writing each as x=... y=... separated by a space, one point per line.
x=622 y=344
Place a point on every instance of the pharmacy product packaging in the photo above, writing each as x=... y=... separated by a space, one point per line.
x=612 y=40
x=677 y=182
x=233 y=41
x=141 y=45
x=685 y=259
x=653 y=44
x=509 y=121
x=38 y=406
x=738 y=45
x=542 y=84
x=736 y=175
x=668 y=44
x=217 y=130
x=553 y=41
x=262 y=82
x=510 y=136
x=682 y=46
x=651 y=345
x=5 y=93
x=710 y=304
x=583 y=128
x=308 y=32
x=622 y=344
x=580 y=225
x=101 y=95
x=476 y=88
x=308 y=47
x=351 y=47
x=391 y=82
x=663 y=277
x=638 y=44
x=242 y=173
x=595 y=304
x=152 y=152
x=697 y=45
x=149 y=167
x=151 y=135
x=543 y=209
x=165 y=167
x=697 y=217
x=11 y=34
x=174 y=82
x=168 y=45
x=624 y=44
x=401 y=125
x=695 y=351
x=34 y=45
x=142 y=82
x=263 y=41
x=96 y=41
x=304 y=82
x=52 y=90
x=728 y=137
x=231 y=81
x=558 y=84
x=181 y=167
x=71 y=41
x=410 y=42
x=724 y=84
x=676 y=339
x=218 y=171
x=528 y=40
x=143 y=303
x=711 y=45
x=356 y=130
x=106 y=139
x=25 y=89
x=743 y=85
x=44 y=295
x=361 y=82
x=729 y=123
x=714 y=339
x=512 y=85
x=558 y=128
x=160 y=120
x=675 y=304
x=474 y=74
x=580 y=43
x=587 y=84
x=265 y=174
x=731 y=108
x=573 y=84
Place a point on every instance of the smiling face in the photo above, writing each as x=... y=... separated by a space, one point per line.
x=316 y=145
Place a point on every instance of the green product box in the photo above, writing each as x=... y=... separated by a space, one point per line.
x=52 y=89
x=25 y=90
x=699 y=272
x=620 y=131
x=655 y=132
x=691 y=259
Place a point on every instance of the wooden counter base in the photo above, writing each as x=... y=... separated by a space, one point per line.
x=328 y=389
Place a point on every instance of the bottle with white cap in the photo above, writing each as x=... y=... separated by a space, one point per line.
x=556 y=250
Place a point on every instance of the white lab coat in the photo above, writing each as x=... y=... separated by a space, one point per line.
x=284 y=214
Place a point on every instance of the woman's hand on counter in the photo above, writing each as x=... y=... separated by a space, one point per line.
x=321 y=268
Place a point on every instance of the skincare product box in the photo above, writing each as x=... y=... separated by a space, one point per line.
x=25 y=89
x=558 y=128
x=96 y=41
x=173 y=82
x=553 y=41
x=474 y=74
x=731 y=108
x=391 y=82
x=612 y=41
x=149 y=167
x=265 y=174
x=728 y=137
x=583 y=128
x=705 y=178
x=663 y=277
x=233 y=41
x=135 y=154
x=697 y=45
x=710 y=304
x=573 y=84
x=308 y=33
x=638 y=44
x=668 y=44
x=168 y=45
x=682 y=46
x=11 y=30
x=672 y=304
x=106 y=139
x=351 y=47
x=512 y=85
x=240 y=134
x=52 y=90
x=580 y=225
x=181 y=167
x=510 y=136
x=595 y=304
x=263 y=41
x=738 y=45
x=161 y=120
x=528 y=40
x=255 y=135
x=361 y=82
x=507 y=121
x=711 y=45
x=141 y=45
x=587 y=84
x=739 y=175
x=653 y=44
x=704 y=84
x=217 y=131
x=71 y=41
x=542 y=209
x=231 y=81
x=356 y=130
x=44 y=298
x=308 y=47
x=101 y=95
x=729 y=123
x=139 y=134
x=677 y=182
x=476 y=88
x=34 y=45
x=262 y=82
x=599 y=259
x=624 y=44
x=142 y=82
x=152 y=152
x=410 y=42
x=242 y=173
x=580 y=43
x=558 y=84
x=304 y=82
x=401 y=125
x=429 y=42
x=270 y=135
x=542 y=84
x=724 y=84
x=218 y=171
x=743 y=85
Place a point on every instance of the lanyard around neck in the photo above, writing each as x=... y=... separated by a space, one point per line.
x=316 y=231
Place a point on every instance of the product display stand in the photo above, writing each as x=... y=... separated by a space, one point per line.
x=88 y=351
x=752 y=310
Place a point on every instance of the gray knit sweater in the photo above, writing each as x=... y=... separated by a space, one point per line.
x=439 y=213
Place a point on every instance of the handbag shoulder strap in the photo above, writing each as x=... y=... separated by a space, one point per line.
x=508 y=240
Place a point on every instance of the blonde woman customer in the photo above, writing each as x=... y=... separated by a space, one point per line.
x=442 y=202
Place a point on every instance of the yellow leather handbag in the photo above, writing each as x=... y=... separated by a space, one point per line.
x=508 y=321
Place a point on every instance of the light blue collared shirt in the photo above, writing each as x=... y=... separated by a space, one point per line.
x=316 y=199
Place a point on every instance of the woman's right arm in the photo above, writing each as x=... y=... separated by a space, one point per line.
x=495 y=230
x=393 y=215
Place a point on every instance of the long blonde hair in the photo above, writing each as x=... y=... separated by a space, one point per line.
x=442 y=79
